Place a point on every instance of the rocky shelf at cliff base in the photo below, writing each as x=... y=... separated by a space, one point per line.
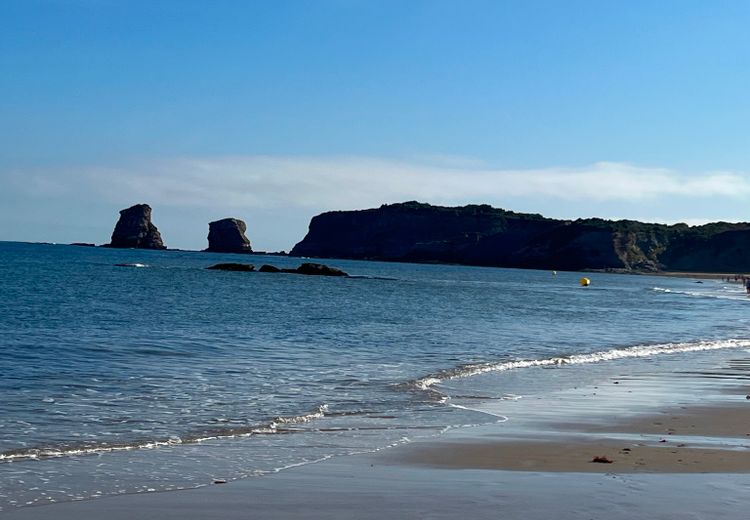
x=487 y=236
x=306 y=268
x=134 y=229
x=228 y=236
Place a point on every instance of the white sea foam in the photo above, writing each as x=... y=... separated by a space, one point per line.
x=500 y=418
x=426 y=383
x=267 y=429
x=317 y=414
x=42 y=453
x=725 y=295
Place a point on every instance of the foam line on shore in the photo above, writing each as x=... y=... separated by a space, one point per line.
x=427 y=382
x=733 y=295
x=264 y=429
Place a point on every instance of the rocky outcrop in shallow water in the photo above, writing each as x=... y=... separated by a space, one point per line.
x=266 y=268
x=232 y=267
x=312 y=269
x=487 y=236
x=309 y=269
x=228 y=236
x=134 y=229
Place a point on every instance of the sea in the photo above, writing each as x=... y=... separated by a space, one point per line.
x=134 y=371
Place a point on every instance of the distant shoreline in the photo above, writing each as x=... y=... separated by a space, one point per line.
x=707 y=275
x=703 y=276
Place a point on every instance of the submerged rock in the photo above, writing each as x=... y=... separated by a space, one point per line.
x=228 y=236
x=307 y=269
x=134 y=229
x=232 y=267
x=319 y=270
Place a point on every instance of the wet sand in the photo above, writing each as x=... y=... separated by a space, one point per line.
x=483 y=473
x=577 y=456
x=370 y=488
x=364 y=489
x=670 y=461
x=723 y=421
x=703 y=440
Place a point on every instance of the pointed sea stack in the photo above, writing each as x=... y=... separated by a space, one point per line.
x=228 y=236
x=135 y=230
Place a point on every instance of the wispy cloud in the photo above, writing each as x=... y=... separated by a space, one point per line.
x=355 y=182
x=277 y=195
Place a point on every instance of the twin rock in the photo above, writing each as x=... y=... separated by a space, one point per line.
x=134 y=229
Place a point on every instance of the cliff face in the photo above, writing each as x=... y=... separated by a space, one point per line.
x=482 y=235
x=134 y=229
x=228 y=236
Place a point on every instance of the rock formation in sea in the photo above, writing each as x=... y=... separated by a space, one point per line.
x=312 y=269
x=228 y=236
x=483 y=235
x=308 y=268
x=232 y=267
x=134 y=229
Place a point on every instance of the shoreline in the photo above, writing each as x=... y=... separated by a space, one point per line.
x=663 y=449
x=447 y=478
x=702 y=275
x=674 y=441
x=685 y=416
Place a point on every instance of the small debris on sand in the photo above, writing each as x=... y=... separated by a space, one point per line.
x=602 y=460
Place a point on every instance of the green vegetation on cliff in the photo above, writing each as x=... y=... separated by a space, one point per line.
x=483 y=235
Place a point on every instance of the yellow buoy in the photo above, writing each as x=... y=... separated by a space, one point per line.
x=585 y=282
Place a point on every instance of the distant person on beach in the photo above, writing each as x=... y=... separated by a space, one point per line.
x=747 y=286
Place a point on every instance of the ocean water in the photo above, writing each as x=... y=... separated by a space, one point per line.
x=166 y=375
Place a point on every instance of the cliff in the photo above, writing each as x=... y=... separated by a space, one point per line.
x=228 y=236
x=134 y=229
x=487 y=236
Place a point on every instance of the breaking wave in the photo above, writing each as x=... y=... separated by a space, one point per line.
x=272 y=427
x=427 y=382
x=728 y=295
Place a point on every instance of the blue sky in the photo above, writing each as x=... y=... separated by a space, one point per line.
x=275 y=111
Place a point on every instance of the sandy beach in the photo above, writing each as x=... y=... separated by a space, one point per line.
x=691 y=440
x=452 y=477
x=695 y=456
